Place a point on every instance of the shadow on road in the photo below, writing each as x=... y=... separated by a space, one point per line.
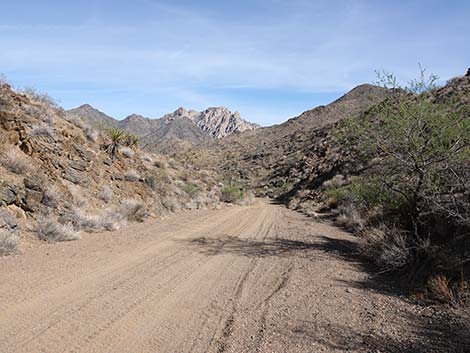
x=445 y=332
x=226 y=244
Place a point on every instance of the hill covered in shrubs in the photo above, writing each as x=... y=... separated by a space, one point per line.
x=60 y=176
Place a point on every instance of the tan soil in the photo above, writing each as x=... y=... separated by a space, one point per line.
x=260 y=278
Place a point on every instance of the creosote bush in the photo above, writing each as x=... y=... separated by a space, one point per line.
x=416 y=150
x=232 y=194
x=414 y=153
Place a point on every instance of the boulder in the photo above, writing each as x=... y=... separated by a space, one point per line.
x=75 y=177
x=7 y=220
x=33 y=184
x=79 y=165
x=8 y=195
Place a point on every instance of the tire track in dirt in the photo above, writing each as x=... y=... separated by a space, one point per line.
x=259 y=278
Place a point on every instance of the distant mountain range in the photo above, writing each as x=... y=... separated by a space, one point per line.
x=181 y=126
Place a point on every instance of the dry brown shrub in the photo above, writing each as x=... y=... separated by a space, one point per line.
x=439 y=286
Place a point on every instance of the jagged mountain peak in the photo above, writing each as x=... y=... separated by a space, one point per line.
x=220 y=122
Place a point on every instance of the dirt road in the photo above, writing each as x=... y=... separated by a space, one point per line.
x=259 y=278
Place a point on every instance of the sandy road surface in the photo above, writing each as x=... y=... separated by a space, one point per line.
x=242 y=279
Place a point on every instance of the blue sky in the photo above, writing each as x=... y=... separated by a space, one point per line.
x=268 y=59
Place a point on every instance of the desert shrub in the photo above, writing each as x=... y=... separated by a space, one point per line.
x=416 y=150
x=163 y=177
x=40 y=97
x=109 y=220
x=78 y=198
x=440 y=288
x=232 y=194
x=77 y=121
x=334 y=183
x=51 y=197
x=106 y=194
x=413 y=151
x=131 y=140
x=91 y=134
x=51 y=231
x=8 y=242
x=387 y=247
x=133 y=210
x=350 y=218
x=191 y=189
x=41 y=130
x=367 y=191
x=127 y=152
x=16 y=161
x=40 y=113
x=132 y=175
x=151 y=181
x=170 y=203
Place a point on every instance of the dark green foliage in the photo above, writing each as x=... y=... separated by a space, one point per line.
x=416 y=150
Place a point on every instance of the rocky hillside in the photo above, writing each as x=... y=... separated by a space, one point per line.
x=92 y=116
x=58 y=176
x=325 y=161
x=253 y=157
x=184 y=127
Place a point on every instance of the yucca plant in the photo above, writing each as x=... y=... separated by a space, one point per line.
x=116 y=135
x=132 y=140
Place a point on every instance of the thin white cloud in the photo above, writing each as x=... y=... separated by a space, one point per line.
x=298 y=45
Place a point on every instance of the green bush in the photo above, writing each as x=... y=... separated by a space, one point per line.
x=415 y=149
x=368 y=191
x=232 y=194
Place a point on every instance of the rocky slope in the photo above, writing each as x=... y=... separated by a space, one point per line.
x=92 y=116
x=325 y=161
x=255 y=157
x=53 y=169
